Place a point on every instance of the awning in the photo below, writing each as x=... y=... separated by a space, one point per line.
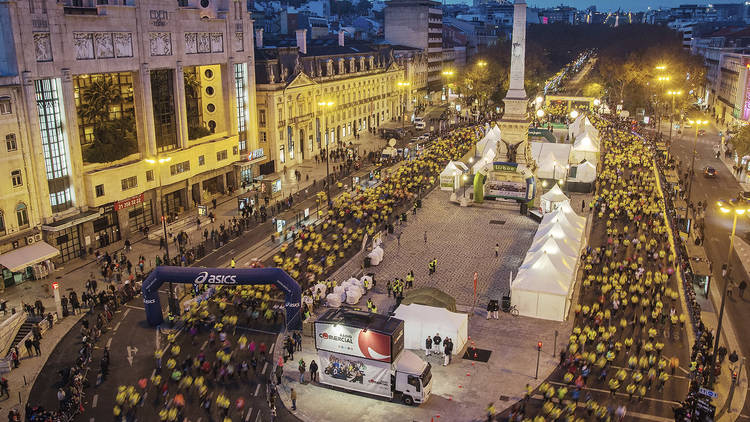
x=19 y=259
x=71 y=221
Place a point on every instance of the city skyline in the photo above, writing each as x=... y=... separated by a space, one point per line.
x=612 y=5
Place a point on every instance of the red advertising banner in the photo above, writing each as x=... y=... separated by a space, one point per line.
x=127 y=203
x=353 y=341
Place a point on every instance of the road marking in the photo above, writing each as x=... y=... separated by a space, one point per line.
x=258 y=417
x=126 y=313
x=131 y=354
x=249 y=412
x=270 y=352
x=143 y=400
x=136 y=307
x=94 y=401
x=158 y=338
x=265 y=365
x=109 y=342
x=203 y=346
x=116 y=327
x=649 y=417
x=257 y=389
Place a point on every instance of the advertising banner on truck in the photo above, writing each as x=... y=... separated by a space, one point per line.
x=354 y=373
x=354 y=341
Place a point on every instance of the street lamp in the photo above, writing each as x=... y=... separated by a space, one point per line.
x=482 y=63
x=157 y=162
x=404 y=86
x=696 y=124
x=324 y=105
x=540 y=113
x=661 y=67
x=661 y=80
x=574 y=114
x=671 y=114
x=448 y=74
x=726 y=207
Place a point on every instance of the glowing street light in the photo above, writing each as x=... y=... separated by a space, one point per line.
x=540 y=113
x=574 y=114
x=661 y=67
x=482 y=63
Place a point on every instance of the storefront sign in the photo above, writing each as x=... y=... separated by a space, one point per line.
x=503 y=166
x=355 y=373
x=127 y=203
x=202 y=210
x=256 y=154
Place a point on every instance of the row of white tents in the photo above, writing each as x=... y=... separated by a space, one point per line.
x=543 y=287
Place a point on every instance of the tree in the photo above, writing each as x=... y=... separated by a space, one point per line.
x=97 y=98
x=741 y=141
x=114 y=138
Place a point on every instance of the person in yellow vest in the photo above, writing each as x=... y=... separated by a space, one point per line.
x=410 y=279
x=232 y=263
x=370 y=305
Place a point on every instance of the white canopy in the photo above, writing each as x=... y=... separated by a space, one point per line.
x=587 y=141
x=571 y=215
x=586 y=172
x=555 y=194
x=421 y=321
x=563 y=218
x=18 y=259
x=540 y=291
x=561 y=231
x=564 y=265
x=450 y=176
x=581 y=124
x=552 y=159
x=489 y=139
x=554 y=246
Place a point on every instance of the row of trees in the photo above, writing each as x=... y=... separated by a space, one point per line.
x=625 y=72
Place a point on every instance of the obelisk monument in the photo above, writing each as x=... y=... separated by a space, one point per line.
x=514 y=125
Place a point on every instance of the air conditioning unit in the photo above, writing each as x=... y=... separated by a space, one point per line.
x=208 y=9
x=38 y=237
x=29 y=240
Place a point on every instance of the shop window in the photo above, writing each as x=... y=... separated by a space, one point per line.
x=149 y=175
x=221 y=155
x=282 y=156
x=129 y=183
x=262 y=118
x=141 y=215
x=5 y=107
x=68 y=243
x=10 y=142
x=201 y=160
x=99 y=190
x=2 y=224
x=22 y=215
x=16 y=178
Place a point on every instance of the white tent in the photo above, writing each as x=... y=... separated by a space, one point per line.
x=559 y=216
x=571 y=215
x=554 y=246
x=541 y=292
x=450 y=177
x=579 y=126
x=561 y=231
x=421 y=321
x=552 y=159
x=586 y=147
x=564 y=265
x=553 y=198
x=490 y=138
x=585 y=172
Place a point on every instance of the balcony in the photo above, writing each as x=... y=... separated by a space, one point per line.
x=89 y=7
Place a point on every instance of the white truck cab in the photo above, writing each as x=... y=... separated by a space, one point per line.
x=412 y=378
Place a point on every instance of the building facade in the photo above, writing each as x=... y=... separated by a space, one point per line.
x=360 y=81
x=418 y=23
x=123 y=113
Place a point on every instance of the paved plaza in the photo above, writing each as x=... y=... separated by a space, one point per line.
x=463 y=241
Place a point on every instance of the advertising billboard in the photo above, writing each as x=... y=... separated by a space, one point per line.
x=505 y=189
x=353 y=373
x=353 y=341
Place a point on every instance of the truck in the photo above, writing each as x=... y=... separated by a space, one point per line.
x=364 y=352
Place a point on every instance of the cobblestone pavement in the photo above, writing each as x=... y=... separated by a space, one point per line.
x=463 y=240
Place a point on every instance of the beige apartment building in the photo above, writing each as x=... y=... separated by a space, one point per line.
x=114 y=115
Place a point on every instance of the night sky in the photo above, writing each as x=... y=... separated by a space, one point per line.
x=607 y=5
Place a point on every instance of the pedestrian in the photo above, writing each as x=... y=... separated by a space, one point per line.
x=35 y=345
x=742 y=287
x=313 y=371
x=27 y=343
x=279 y=372
x=583 y=205
x=497 y=250
x=398 y=238
x=427 y=346
x=293 y=396
x=301 y=367
x=491 y=412
x=425 y=237
x=14 y=356
x=4 y=389
x=436 y=340
x=447 y=349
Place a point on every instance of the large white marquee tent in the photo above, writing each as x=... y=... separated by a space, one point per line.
x=421 y=321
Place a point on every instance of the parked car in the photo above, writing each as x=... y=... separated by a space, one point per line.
x=709 y=172
x=701 y=132
x=744 y=196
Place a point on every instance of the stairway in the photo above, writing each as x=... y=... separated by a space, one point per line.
x=22 y=331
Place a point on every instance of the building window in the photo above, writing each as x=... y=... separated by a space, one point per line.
x=234 y=150
x=99 y=190
x=5 y=107
x=54 y=143
x=179 y=168
x=149 y=175
x=263 y=137
x=141 y=215
x=282 y=156
x=119 y=106
x=2 y=224
x=261 y=118
x=162 y=94
x=240 y=84
x=10 y=142
x=22 y=215
x=129 y=183
x=15 y=177
x=221 y=155
x=201 y=160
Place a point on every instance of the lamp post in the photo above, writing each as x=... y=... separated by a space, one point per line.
x=671 y=114
x=324 y=105
x=661 y=80
x=540 y=115
x=736 y=210
x=404 y=87
x=696 y=123
x=157 y=162
x=597 y=105
x=448 y=74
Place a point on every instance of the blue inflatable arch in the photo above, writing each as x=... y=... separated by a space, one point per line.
x=222 y=277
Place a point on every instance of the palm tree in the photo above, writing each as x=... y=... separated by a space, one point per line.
x=96 y=100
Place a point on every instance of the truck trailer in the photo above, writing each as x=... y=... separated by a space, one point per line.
x=364 y=352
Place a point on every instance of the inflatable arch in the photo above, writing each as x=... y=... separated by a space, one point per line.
x=222 y=277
